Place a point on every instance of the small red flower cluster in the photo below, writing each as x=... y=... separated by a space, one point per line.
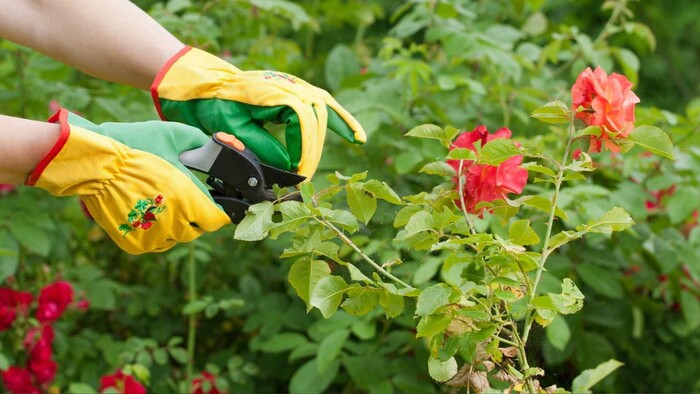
x=606 y=101
x=123 y=383
x=41 y=368
x=205 y=384
x=484 y=183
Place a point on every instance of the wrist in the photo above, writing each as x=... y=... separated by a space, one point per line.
x=23 y=144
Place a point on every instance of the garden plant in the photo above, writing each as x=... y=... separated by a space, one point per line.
x=522 y=219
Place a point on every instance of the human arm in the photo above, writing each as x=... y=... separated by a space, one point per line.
x=108 y=39
x=23 y=143
x=114 y=40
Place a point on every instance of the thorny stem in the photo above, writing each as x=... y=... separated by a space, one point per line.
x=362 y=254
x=550 y=223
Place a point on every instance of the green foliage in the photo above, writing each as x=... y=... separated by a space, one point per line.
x=389 y=287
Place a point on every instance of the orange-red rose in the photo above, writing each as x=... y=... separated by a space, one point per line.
x=484 y=182
x=606 y=101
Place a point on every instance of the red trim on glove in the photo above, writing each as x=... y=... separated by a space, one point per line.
x=161 y=74
x=60 y=117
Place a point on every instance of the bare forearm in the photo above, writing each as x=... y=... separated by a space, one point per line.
x=23 y=143
x=109 y=39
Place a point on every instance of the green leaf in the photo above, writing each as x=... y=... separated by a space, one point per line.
x=553 y=112
x=543 y=204
x=533 y=167
x=329 y=349
x=308 y=379
x=438 y=168
x=562 y=238
x=504 y=295
x=254 y=225
x=360 y=300
x=616 y=219
x=497 y=151
x=340 y=218
x=160 y=356
x=570 y=300
x=383 y=191
x=558 y=333
x=690 y=307
x=434 y=132
x=520 y=233
x=81 y=388
x=603 y=281
x=31 y=236
x=462 y=154
x=432 y=298
x=442 y=371
x=304 y=275
x=393 y=304
x=283 y=342
x=682 y=203
x=588 y=378
x=653 y=139
x=294 y=214
x=196 y=306
x=419 y=222
x=431 y=325
x=327 y=294
x=362 y=204
x=178 y=354
x=9 y=258
x=340 y=64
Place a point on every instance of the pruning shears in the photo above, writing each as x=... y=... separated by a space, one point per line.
x=237 y=177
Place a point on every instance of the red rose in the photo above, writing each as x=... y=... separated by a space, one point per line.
x=12 y=302
x=149 y=216
x=198 y=383
x=53 y=300
x=18 y=381
x=606 y=101
x=44 y=370
x=484 y=182
x=158 y=199
x=146 y=225
x=124 y=384
x=39 y=341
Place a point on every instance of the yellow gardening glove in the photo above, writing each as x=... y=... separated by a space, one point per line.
x=144 y=202
x=201 y=90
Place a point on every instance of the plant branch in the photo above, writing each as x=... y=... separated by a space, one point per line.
x=550 y=223
x=362 y=254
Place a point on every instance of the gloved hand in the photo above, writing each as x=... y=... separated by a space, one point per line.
x=201 y=90
x=129 y=177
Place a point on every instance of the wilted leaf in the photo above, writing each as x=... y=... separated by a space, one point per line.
x=510 y=351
